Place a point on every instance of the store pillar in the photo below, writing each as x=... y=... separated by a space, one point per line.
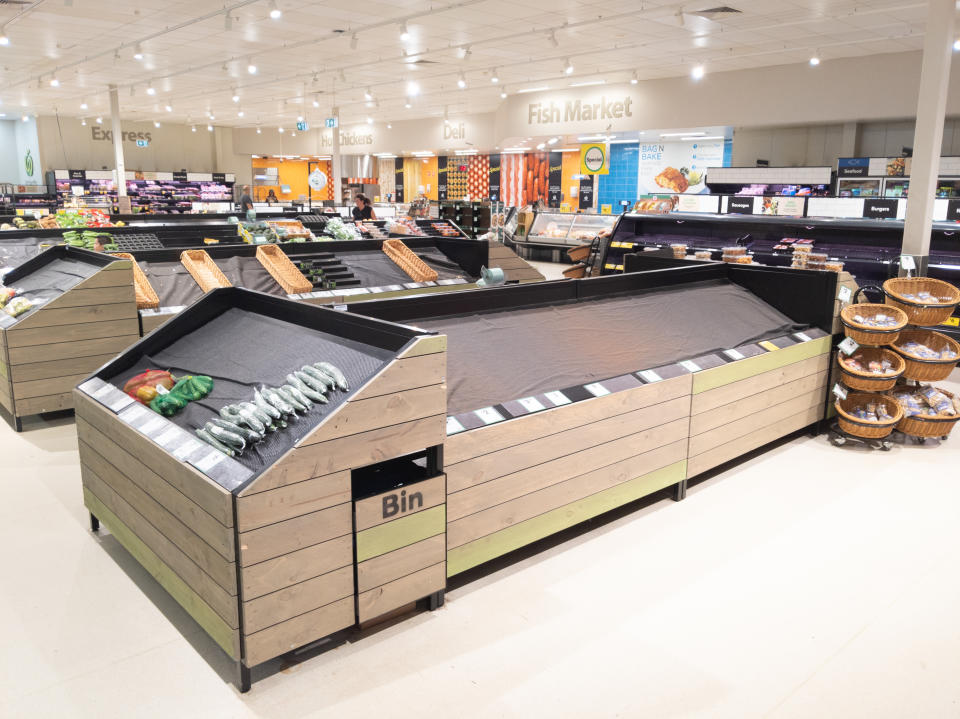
x=118 y=143
x=928 y=137
x=335 y=161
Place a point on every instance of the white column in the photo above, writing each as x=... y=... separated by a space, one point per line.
x=337 y=174
x=118 y=142
x=928 y=137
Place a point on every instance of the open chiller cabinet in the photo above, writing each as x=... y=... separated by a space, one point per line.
x=84 y=312
x=336 y=519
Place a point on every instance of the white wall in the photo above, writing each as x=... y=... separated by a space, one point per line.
x=787 y=146
x=8 y=152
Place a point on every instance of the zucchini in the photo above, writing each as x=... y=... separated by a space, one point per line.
x=308 y=389
x=229 y=438
x=335 y=373
x=290 y=395
x=213 y=442
x=248 y=434
x=266 y=407
x=320 y=376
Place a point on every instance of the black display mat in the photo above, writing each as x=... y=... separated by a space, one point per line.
x=14 y=252
x=52 y=280
x=172 y=283
x=374 y=269
x=242 y=351
x=248 y=272
x=503 y=355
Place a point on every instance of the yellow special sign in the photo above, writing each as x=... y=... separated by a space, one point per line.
x=595 y=159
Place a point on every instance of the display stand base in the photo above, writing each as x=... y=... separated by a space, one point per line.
x=679 y=490
x=243 y=677
x=94 y=523
x=838 y=438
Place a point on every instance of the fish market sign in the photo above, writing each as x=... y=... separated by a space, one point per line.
x=577 y=110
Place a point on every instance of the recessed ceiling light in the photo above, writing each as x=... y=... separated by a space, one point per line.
x=99 y=120
x=83 y=120
x=568 y=66
x=235 y=97
x=494 y=78
x=25 y=118
x=275 y=12
x=54 y=82
x=151 y=90
x=83 y=105
x=279 y=129
x=407 y=104
x=956 y=44
x=814 y=60
x=404 y=31
x=389 y=126
x=367 y=95
x=138 y=52
x=251 y=68
x=634 y=79
x=156 y=124
x=258 y=130
x=503 y=92
x=413 y=89
x=168 y=108
x=369 y=120
x=533 y=89
x=587 y=83
x=209 y=128
x=193 y=128
x=4 y=40
x=239 y=113
x=316 y=102
x=462 y=81
x=697 y=72
x=293 y=133
x=299 y=118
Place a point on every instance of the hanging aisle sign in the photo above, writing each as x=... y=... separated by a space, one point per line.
x=595 y=159
x=494 y=175
x=398 y=178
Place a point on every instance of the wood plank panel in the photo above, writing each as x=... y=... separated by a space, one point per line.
x=504 y=515
x=109 y=277
x=755 y=403
x=711 y=399
x=486 y=548
x=358 y=450
x=509 y=263
x=148 y=323
x=295 y=567
x=425 y=345
x=222 y=633
x=42 y=387
x=400 y=562
x=48 y=403
x=524 y=274
x=747 y=443
x=742 y=369
x=258 y=510
x=82 y=295
x=59 y=368
x=68 y=350
x=364 y=415
x=293 y=534
x=467 y=502
x=220 y=600
x=293 y=601
x=400 y=375
x=751 y=423
x=221 y=569
x=395 y=594
x=18 y=337
x=484 y=440
x=400 y=533
x=513 y=459
x=286 y=636
x=211 y=530
x=214 y=499
x=369 y=512
x=47 y=317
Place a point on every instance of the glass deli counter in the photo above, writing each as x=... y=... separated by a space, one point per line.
x=556 y=229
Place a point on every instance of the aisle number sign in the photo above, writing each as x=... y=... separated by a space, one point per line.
x=595 y=159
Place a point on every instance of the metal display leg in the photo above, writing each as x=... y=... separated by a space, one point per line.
x=94 y=523
x=680 y=490
x=243 y=680
x=435 y=600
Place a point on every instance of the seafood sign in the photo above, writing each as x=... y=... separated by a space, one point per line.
x=539 y=113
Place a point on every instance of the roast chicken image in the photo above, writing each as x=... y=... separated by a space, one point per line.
x=672 y=179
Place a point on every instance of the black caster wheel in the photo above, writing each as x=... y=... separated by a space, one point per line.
x=886 y=446
x=837 y=441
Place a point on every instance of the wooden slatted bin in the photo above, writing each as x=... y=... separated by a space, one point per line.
x=85 y=313
x=401 y=545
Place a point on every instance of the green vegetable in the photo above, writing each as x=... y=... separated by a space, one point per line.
x=229 y=438
x=168 y=404
x=213 y=442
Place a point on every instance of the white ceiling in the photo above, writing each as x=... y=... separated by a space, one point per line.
x=194 y=62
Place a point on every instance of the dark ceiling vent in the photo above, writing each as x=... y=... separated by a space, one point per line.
x=714 y=12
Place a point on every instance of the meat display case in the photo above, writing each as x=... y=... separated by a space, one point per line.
x=561 y=229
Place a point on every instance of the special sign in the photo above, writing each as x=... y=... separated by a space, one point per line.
x=594 y=159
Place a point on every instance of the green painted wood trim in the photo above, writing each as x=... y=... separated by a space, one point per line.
x=506 y=540
x=209 y=620
x=742 y=369
x=401 y=532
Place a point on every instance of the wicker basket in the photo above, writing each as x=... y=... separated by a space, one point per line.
x=579 y=253
x=576 y=272
x=872 y=336
x=927 y=370
x=860 y=427
x=407 y=260
x=203 y=269
x=920 y=426
x=147 y=298
x=919 y=313
x=867 y=381
x=276 y=262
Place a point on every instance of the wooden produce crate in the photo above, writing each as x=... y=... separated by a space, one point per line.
x=45 y=352
x=263 y=561
x=204 y=270
x=407 y=260
x=146 y=296
x=276 y=262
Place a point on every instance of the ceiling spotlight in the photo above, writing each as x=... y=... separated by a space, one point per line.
x=280 y=129
x=83 y=121
x=413 y=89
x=83 y=105
x=239 y=113
x=258 y=130
x=168 y=108
x=814 y=61
x=503 y=92
x=275 y=12
x=367 y=95
x=156 y=124
x=568 y=66
x=54 y=82
x=354 y=40
x=299 y=118
x=99 y=120
x=552 y=37
x=25 y=118
x=251 y=68
x=956 y=43
x=494 y=78
x=697 y=72
x=209 y=128
x=138 y=52
x=541 y=145
x=193 y=128
x=4 y=40
x=316 y=102
x=151 y=90
x=408 y=104
x=293 y=133
x=369 y=120
x=389 y=126
x=553 y=140
x=461 y=81
x=404 y=31
x=236 y=97
x=634 y=79
x=212 y=117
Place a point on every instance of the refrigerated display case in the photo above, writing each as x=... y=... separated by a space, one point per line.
x=562 y=229
x=896 y=187
x=859 y=187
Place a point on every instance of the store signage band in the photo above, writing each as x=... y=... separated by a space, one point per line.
x=539 y=113
x=879 y=209
x=740 y=205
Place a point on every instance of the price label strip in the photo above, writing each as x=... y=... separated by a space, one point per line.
x=649 y=376
x=596 y=389
x=188 y=448
x=488 y=415
x=734 y=354
x=845 y=295
x=557 y=397
x=690 y=365
x=802 y=336
x=167 y=438
x=153 y=426
x=768 y=345
x=209 y=461
x=454 y=426
x=531 y=404
x=839 y=391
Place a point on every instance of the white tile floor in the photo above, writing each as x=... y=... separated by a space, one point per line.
x=809 y=581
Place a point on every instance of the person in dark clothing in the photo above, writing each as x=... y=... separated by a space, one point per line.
x=272 y=198
x=246 y=203
x=363 y=209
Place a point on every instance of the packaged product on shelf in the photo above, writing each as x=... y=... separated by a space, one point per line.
x=925 y=296
x=733 y=251
x=926 y=401
x=679 y=251
x=143 y=387
x=924 y=352
x=877 y=320
x=6 y=294
x=17 y=306
x=702 y=254
x=937 y=400
x=834 y=266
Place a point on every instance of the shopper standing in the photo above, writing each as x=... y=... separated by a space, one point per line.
x=363 y=209
x=246 y=204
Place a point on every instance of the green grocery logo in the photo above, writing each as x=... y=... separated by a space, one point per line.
x=28 y=164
